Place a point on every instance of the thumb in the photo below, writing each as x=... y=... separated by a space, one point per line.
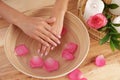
x=51 y=20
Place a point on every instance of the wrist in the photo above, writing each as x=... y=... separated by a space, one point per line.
x=58 y=14
x=19 y=20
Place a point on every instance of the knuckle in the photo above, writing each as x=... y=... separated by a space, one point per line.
x=42 y=22
x=50 y=35
x=47 y=33
x=49 y=28
x=48 y=39
x=45 y=43
x=41 y=41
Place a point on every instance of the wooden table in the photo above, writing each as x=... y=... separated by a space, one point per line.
x=111 y=71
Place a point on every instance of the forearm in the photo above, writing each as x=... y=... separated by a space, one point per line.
x=58 y=12
x=60 y=8
x=10 y=14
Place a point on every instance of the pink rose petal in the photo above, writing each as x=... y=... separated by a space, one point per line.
x=97 y=21
x=64 y=31
x=36 y=62
x=83 y=79
x=71 y=47
x=100 y=61
x=67 y=55
x=51 y=65
x=21 y=50
x=75 y=75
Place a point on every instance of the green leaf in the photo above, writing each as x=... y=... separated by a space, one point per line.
x=105 y=39
x=116 y=43
x=106 y=6
x=108 y=16
x=112 y=29
x=115 y=39
x=112 y=45
x=116 y=25
x=116 y=35
x=103 y=28
x=113 y=6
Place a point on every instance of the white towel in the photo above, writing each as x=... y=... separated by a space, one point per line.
x=23 y=5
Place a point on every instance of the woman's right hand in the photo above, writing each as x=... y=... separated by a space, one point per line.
x=35 y=27
x=38 y=28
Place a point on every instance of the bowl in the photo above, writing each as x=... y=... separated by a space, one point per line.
x=77 y=33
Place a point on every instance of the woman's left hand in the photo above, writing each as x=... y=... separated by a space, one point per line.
x=57 y=29
x=58 y=12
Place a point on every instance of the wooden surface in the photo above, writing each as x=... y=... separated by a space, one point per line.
x=15 y=37
x=111 y=71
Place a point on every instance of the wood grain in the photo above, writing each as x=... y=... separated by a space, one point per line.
x=8 y=72
x=74 y=34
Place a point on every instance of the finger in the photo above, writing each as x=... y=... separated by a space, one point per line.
x=52 y=48
x=41 y=41
x=46 y=38
x=43 y=50
x=52 y=33
x=47 y=50
x=52 y=36
x=39 y=48
x=49 y=28
x=51 y=20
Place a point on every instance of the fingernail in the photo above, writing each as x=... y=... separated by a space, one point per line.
x=55 y=44
x=47 y=45
x=52 y=48
x=41 y=54
x=46 y=53
x=38 y=51
x=58 y=42
x=59 y=36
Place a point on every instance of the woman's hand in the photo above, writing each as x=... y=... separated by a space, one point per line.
x=36 y=28
x=58 y=12
x=39 y=29
x=56 y=29
x=58 y=26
